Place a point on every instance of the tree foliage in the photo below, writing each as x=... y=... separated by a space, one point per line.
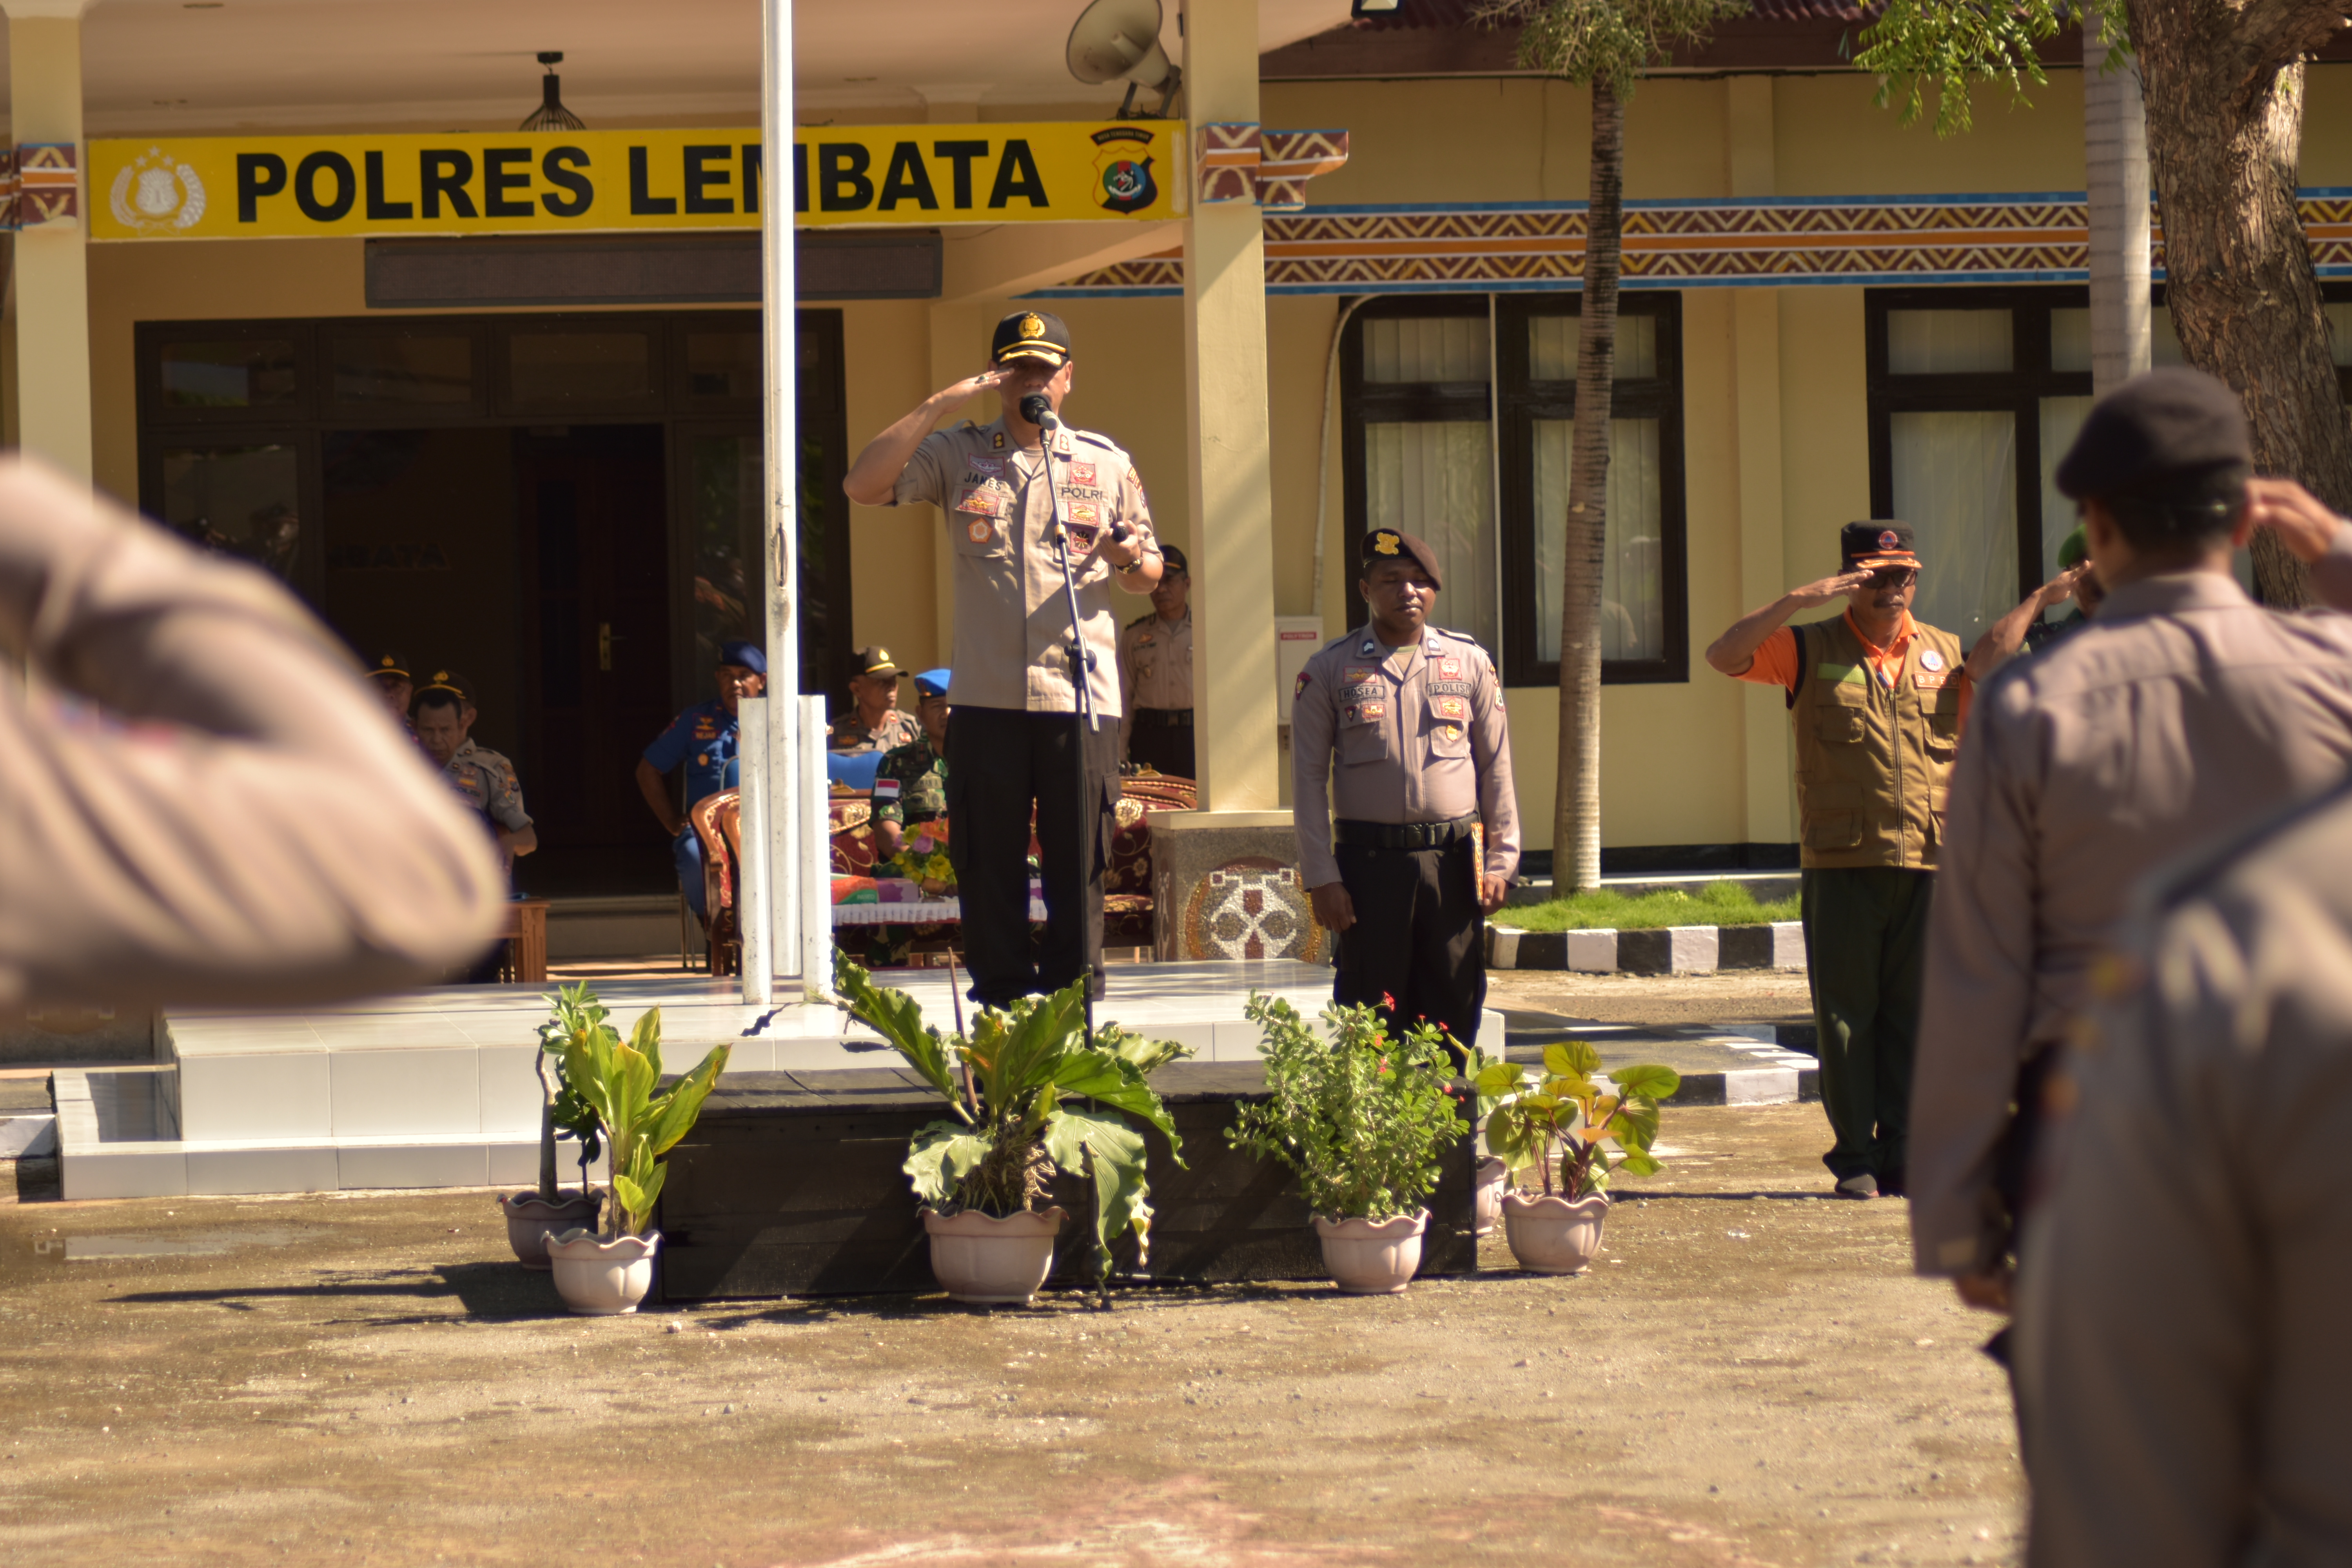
x=1953 y=46
x=1606 y=42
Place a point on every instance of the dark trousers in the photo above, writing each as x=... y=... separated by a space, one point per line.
x=999 y=761
x=1168 y=747
x=1416 y=936
x=1866 y=952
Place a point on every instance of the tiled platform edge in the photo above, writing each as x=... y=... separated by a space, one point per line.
x=1668 y=950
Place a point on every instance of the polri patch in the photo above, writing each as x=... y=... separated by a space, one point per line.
x=1305 y=680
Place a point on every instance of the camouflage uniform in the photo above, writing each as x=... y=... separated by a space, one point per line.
x=899 y=727
x=912 y=785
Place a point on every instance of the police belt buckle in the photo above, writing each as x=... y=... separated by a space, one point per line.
x=1164 y=718
x=1401 y=834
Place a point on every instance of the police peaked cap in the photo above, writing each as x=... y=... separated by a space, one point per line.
x=1396 y=544
x=2168 y=425
x=1031 y=334
x=393 y=665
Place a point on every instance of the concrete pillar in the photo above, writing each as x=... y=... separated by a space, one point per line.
x=50 y=277
x=1756 y=418
x=1225 y=385
x=2115 y=149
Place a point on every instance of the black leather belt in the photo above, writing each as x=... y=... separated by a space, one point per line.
x=1401 y=834
x=1163 y=717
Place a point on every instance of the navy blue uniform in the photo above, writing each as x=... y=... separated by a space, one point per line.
x=703 y=738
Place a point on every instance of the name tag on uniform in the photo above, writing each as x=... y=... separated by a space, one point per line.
x=1451 y=688
x=987 y=500
x=1363 y=713
x=1083 y=474
x=1931 y=679
x=1365 y=691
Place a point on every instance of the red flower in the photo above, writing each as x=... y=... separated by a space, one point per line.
x=1387 y=1000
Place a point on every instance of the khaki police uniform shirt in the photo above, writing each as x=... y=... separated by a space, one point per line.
x=2181 y=1354
x=2182 y=711
x=486 y=782
x=1012 y=615
x=1421 y=736
x=1155 y=667
x=203 y=800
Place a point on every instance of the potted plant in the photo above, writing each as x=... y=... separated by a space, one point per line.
x=1494 y=1173
x=1565 y=1108
x=547 y=1210
x=1362 y=1121
x=983 y=1177
x=599 y=1275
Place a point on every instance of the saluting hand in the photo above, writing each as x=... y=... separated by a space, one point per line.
x=971 y=386
x=1829 y=588
x=2301 y=521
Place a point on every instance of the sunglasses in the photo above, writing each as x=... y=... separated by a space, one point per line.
x=1894 y=576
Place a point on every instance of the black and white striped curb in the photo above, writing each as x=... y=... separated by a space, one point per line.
x=1667 y=949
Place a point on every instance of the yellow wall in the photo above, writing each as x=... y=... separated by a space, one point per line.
x=1673 y=762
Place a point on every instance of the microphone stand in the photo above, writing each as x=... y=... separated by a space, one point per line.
x=1082 y=666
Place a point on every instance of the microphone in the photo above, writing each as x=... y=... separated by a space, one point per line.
x=1040 y=413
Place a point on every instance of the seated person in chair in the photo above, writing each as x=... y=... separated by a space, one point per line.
x=703 y=738
x=444 y=715
x=911 y=787
x=875 y=722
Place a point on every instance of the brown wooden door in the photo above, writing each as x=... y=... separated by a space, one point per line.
x=593 y=529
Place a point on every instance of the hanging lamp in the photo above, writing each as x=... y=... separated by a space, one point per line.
x=550 y=114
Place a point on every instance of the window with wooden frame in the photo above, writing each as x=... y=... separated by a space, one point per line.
x=1458 y=414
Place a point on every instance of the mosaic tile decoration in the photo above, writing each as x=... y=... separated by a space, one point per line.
x=2040 y=237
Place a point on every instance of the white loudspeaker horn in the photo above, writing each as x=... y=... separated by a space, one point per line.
x=1119 y=41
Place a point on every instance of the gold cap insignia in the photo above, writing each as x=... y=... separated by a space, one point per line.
x=1032 y=327
x=1385 y=542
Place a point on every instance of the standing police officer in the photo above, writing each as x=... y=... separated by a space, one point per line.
x=1155 y=675
x=1015 y=739
x=1387 y=844
x=704 y=739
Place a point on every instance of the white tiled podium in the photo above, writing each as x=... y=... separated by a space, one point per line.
x=439 y=1087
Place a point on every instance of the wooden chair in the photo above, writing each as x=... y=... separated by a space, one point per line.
x=523 y=959
x=718 y=822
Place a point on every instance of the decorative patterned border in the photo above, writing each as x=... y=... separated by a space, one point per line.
x=2038 y=237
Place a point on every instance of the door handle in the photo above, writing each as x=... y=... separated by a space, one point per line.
x=605 y=646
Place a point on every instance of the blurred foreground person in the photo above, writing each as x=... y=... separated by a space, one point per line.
x=2182 y=713
x=231 y=817
x=2188 y=1273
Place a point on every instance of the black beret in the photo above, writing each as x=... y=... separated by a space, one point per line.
x=2170 y=424
x=1031 y=334
x=1396 y=544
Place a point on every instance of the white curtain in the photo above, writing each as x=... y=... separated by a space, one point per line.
x=1553 y=339
x=1437 y=480
x=1425 y=348
x=1937 y=342
x=1955 y=483
x=1633 y=572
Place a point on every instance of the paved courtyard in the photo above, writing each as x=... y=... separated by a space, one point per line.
x=1750 y=1375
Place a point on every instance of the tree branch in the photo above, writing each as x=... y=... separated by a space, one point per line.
x=2272 y=35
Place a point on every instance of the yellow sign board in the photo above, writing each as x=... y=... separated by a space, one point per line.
x=576 y=182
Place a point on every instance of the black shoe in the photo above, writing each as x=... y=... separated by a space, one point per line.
x=1861 y=1185
x=1890 y=1184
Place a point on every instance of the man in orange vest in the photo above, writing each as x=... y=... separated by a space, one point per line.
x=1877 y=700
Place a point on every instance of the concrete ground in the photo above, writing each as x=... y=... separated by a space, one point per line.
x=1731 y=996
x=1750 y=1375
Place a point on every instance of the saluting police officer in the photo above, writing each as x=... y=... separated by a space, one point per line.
x=1015 y=736
x=1155 y=674
x=1415 y=714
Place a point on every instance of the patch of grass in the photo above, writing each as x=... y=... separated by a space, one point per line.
x=1717 y=904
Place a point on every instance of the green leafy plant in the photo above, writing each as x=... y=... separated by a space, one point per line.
x=577 y=1016
x=608 y=1097
x=1011 y=1083
x=1360 y=1119
x=1564 y=1109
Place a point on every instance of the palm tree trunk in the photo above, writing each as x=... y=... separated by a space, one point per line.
x=2224 y=91
x=1576 y=809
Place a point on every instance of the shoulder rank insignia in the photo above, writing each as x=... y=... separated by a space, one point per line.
x=996 y=443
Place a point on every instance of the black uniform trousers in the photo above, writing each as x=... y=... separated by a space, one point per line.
x=999 y=760
x=1166 y=746
x=1418 y=936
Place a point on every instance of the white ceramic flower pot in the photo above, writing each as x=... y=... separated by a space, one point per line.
x=531 y=1219
x=1372 y=1256
x=1551 y=1234
x=1487 y=1191
x=603 y=1278
x=988 y=1261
